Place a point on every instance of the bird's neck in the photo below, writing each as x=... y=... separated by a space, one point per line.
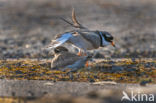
x=101 y=37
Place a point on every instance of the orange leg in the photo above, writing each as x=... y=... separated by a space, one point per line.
x=79 y=53
x=86 y=65
x=85 y=54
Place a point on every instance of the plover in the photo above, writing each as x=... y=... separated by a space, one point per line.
x=82 y=38
x=63 y=59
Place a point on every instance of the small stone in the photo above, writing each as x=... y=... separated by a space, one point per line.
x=27 y=46
x=13 y=93
x=98 y=55
x=49 y=84
x=117 y=69
x=91 y=80
x=143 y=83
x=18 y=72
x=105 y=82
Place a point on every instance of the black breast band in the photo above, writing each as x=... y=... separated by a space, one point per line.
x=98 y=32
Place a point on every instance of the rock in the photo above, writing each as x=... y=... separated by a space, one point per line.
x=116 y=69
x=98 y=55
x=143 y=83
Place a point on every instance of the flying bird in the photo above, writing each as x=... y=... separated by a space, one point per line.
x=63 y=59
x=82 y=38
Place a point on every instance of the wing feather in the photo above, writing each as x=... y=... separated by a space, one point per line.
x=91 y=37
x=60 y=40
x=65 y=59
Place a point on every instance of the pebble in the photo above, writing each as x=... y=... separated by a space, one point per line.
x=143 y=83
x=117 y=68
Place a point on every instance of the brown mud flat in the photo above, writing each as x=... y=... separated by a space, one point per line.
x=32 y=81
x=118 y=70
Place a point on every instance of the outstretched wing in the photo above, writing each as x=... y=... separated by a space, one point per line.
x=64 y=60
x=60 y=40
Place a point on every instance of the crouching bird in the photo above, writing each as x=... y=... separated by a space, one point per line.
x=82 y=38
x=63 y=59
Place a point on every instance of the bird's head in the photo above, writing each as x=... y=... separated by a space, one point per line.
x=60 y=49
x=106 y=38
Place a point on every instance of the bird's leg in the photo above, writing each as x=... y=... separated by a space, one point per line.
x=85 y=53
x=86 y=65
x=80 y=52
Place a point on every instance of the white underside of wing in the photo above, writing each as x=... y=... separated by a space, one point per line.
x=60 y=41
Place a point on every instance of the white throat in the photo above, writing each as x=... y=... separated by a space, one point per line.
x=104 y=42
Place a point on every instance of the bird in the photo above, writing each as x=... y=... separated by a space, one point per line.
x=63 y=59
x=82 y=38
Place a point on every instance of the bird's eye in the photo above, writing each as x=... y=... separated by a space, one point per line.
x=108 y=37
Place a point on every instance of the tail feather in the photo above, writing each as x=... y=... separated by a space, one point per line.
x=60 y=40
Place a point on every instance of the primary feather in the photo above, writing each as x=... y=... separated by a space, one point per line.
x=60 y=40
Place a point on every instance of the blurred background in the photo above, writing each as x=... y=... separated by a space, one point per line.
x=27 y=26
